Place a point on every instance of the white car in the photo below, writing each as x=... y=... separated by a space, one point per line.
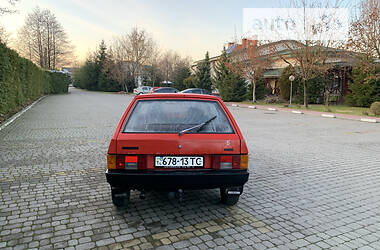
x=142 y=90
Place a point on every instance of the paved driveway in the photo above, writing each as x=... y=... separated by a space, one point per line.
x=314 y=183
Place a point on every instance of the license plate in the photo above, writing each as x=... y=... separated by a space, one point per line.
x=178 y=162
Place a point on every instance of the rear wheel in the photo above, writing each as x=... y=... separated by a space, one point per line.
x=120 y=197
x=228 y=199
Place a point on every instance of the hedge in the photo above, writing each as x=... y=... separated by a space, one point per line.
x=21 y=81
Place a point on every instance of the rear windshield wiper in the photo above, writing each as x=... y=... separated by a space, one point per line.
x=199 y=126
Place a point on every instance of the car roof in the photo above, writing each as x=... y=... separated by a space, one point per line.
x=177 y=96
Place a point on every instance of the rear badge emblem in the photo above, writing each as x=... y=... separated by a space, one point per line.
x=179 y=146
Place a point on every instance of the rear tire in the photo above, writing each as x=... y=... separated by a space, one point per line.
x=120 y=197
x=228 y=199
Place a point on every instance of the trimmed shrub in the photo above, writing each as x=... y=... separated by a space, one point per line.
x=375 y=108
x=58 y=82
x=21 y=81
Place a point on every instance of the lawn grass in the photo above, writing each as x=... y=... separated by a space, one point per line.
x=339 y=109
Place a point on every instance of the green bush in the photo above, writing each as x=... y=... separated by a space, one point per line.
x=365 y=93
x=21 y=81
x=190 y=81
x=365 y=86
x=284 y=84
x=361 y=95
x=315 y=89
x=375 y=108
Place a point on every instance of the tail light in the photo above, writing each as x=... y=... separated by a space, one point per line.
x=128 y=162
x=230 y=162
x=244 y=162
x=111 y=161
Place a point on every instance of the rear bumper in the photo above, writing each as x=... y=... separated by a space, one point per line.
x=150 y=179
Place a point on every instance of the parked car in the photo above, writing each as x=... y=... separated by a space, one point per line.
x=142 y=90
x=165 y=90
x=153 y=89
x=177 y=142
x=196 y=91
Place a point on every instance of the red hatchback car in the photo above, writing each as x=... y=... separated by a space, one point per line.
x=176 y=142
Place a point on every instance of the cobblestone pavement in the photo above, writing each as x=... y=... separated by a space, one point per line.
x=314 y=184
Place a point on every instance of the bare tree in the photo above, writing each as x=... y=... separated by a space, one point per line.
x=120 y=70
x=153 y=69
x=249 y=60
x=168 y=62
x=4 y=36
x=43 y=40
x=364 y=34
x=132 y=51
x=8 y=9
x=310 y=56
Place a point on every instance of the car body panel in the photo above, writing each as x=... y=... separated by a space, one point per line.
x=173 y=144
x=169 y=180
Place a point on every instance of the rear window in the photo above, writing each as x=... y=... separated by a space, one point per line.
x=173 y=116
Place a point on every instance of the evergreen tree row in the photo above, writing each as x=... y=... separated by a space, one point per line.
x=95 y=73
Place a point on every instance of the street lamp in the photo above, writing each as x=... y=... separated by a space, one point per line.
x=250 y=73
x=291 y=79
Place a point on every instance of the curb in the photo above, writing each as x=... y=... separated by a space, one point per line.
x=272 y=109
x=314 y=113
x=328 y=116
x=368 y=120
x=18 y=114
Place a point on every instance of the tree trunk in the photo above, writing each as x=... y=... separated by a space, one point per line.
x=253 y=90
x=305 y=94
x=48 y=46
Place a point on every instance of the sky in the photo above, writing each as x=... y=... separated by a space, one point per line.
x=188 y=27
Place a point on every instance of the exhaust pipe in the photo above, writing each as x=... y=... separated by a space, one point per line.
x=142 y=195
x=180 y=195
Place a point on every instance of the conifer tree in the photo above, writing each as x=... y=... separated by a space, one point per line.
x=230 y=85
x=203 y=74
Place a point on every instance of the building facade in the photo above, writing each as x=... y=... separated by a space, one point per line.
x=279 y=55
